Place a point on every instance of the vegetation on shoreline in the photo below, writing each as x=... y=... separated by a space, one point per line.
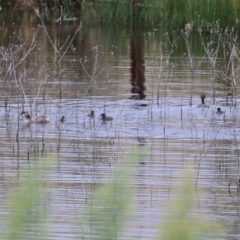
x=145 y=12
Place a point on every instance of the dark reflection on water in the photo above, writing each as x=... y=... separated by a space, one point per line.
x=174 y=134
x=137 y=63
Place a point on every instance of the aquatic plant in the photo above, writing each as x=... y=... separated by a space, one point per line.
x=27 y=203
x=221 y=49
x=144 y=12
x=109 y=209
x=164 y=13
x=180 y=224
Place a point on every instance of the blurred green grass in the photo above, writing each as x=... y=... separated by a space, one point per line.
x=109 y=208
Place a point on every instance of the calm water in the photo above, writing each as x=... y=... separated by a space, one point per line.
x=104 y=69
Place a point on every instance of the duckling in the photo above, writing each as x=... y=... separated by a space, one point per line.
x=203 y=105
x=62 y=120
x=219 y=111
x=91 y=114
x=61 y=123
x=104 y=118
x=28 y=119
x=141 y=141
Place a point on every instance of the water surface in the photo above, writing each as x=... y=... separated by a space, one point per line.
x=101 y=73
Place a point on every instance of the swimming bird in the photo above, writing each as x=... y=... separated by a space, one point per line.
x=105 y=118
x=61 y=123
x=28 y=119
x=203 y=105
x=91 y=114
x=62 y=119
x=219 y=111
x=141 y=141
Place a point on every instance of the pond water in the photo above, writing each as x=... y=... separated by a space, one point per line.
x=146 y=83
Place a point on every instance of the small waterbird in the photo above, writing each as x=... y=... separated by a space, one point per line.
x=141 y=141
x=105 y=118
x=202 y=105
x=62 y=120
x=219 y=111
x=91 y=114
x=28 y=119
x=61 y=123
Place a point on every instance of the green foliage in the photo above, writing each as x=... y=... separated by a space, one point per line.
x=181 y=223
x=112 y=201
x=124 y=12
x=108 y=208
x=166 y=13
x=27 y=212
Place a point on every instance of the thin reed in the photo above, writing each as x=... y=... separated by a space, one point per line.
x=164 y=13
x=145 y=12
